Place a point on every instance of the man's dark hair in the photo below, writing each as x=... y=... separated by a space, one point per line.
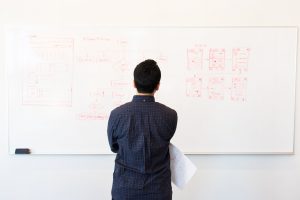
x=146 y=76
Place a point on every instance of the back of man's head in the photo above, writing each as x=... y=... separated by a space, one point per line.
x=147 y=76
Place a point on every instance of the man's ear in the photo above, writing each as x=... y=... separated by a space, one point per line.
x=157 y=87
x=133 y=83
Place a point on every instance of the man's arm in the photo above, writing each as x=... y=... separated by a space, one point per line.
x=175 y=120
x=111 y=127
x=172 y=122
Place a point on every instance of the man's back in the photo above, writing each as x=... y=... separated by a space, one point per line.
x=140 y=132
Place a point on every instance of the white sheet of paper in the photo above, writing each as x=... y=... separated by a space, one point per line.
x=182 y=168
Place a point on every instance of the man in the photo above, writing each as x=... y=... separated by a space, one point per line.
x=140 y=132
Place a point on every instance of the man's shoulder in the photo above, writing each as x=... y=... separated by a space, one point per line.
x=166 y=108
x=122 y=108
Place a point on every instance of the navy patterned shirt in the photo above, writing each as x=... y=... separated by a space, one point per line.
x=140 y=132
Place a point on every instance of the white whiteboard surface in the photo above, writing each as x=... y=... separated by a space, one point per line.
x=233 y=87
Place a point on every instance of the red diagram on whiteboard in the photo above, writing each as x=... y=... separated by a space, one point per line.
x=119 y=84
x=218 y=81
x=193 y=87
x=240 y=59
x=239 y=89
x=217 y=59
x=119 y=91
x=97 y=105
x=52 y=49
x=100 y=101
x=120 y=56
x=103 y=50
x=216 y=88
x=194 y=58
x=47 y=79
x=93 y=50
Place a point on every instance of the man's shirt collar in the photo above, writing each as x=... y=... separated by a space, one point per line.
x=143 y=98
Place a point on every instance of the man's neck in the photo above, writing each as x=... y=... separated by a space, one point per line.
x=145 y=94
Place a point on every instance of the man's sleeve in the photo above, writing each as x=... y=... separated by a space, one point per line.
x=175 y=122
x=111 y=127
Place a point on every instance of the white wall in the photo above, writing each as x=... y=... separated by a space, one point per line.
x=219 y=177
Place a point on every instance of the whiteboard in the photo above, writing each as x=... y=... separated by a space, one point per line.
x=232 y=87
